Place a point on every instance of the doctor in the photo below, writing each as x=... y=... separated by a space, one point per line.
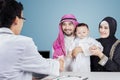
x=18 y=54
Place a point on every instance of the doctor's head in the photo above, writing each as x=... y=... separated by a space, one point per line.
x=11 y=15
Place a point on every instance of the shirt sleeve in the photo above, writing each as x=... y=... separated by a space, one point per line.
x=98 y=44
x=114 y=64
x=90 y=42
x=103 y=60
x=32 y=61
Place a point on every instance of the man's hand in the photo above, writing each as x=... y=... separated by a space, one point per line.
x=75 y=51
x=61 y=61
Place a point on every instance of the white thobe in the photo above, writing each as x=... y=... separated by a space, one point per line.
x=68 y=41
x=82 y=61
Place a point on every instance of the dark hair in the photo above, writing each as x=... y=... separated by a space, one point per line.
x=81 y=24
x=9 y=9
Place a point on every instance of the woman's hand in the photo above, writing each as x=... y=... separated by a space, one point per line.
x=96 y=51
x=76 y=51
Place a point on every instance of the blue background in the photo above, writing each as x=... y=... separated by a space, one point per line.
x=43 y=17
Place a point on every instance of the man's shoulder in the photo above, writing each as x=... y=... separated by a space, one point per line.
x=22 y=38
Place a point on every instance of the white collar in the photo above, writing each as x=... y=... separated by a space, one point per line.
x=83 y=38
x=5 y=31
x=69 y=37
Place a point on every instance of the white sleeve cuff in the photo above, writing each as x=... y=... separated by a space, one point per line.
x=103 y=60
x=55 y=68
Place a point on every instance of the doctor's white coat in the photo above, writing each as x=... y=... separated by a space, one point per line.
x=19 y=58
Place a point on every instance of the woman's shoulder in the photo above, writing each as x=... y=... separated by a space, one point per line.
x=116 y=46
x=117 y=43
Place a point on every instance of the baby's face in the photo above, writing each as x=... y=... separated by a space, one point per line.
x=82 y=32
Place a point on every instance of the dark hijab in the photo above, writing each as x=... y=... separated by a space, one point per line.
x=111 y=39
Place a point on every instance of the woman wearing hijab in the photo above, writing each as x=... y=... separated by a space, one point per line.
x=109 y=59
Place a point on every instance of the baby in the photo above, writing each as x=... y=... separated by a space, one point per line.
x=81 y=62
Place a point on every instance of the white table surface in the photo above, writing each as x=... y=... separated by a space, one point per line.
x=90 y=76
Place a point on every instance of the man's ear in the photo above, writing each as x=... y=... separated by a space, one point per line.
x=16 y=21
x=88 y=31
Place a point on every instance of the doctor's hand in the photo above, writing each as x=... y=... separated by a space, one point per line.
x=96 y=51
x=61 y=61
x=76 y=51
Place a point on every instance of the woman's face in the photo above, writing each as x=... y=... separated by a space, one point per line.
x=104 y=29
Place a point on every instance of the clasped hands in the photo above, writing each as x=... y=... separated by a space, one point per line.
x=96 y=51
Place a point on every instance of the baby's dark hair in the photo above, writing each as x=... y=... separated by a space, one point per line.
x=81 y=24
x=9 y=9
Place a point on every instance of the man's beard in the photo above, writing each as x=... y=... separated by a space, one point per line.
x=68 y=34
